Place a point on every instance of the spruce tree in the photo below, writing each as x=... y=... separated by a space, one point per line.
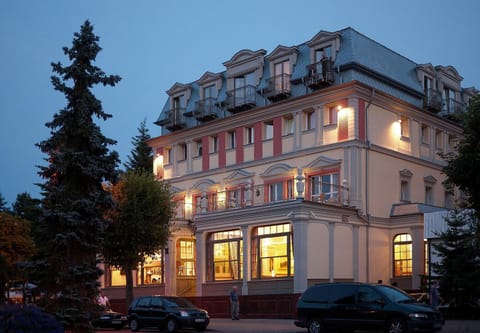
x=141 y=158
x=74 y=199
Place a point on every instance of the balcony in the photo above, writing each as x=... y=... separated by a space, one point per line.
x=173 y=120
x=320 y=74
x=278 y=88
x=453 y=109
x=206 y=110
x=432 y=101
x=241 y=99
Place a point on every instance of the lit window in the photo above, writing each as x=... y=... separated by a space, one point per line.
x=224 y=256
x=272 y=252
x=268 y=130
x=288 y=125
x=150 y=272
x=402 y=255
x=185 y=257
x=330 y=115
x=323 y=187
x=168 y=155
x=404 y=127
x=117 y=277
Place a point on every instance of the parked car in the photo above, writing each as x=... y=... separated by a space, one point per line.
x=360 y=306
x=110 y=319
x=166 y=312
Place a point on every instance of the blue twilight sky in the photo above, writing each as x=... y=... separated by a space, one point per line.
x=152 y=44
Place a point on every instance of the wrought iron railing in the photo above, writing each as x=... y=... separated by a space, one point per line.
x=320 y=74
x=278 y=87
x=242 y=98
x=432 y=100
x=173 y=119
x=207 y=109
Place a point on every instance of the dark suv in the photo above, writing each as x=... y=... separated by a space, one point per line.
x=359 y=306
x=166 y=312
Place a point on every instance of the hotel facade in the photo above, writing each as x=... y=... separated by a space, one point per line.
x=310 y=163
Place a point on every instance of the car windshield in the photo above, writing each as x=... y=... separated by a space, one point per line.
x=178 y=302
x=394 y=294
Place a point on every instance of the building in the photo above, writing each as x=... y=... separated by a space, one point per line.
x=311 y=163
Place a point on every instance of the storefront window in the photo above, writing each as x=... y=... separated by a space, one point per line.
x=272 y=252
x=150 y=272
x=117 y=276
x=225 y=252
x=185 y=257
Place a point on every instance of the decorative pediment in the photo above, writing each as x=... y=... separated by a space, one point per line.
x=281 y=52
x=278 y=169
x=325 y=39
x=430 y=179
x=450 y=72
x=178 y=88
x=427 y=68
x=322 y=162
x=406 y=173
x=244 y=56
x=209 y=77
x=238 y=175
x=203 y=184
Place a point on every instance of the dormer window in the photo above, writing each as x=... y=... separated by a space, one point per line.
x=208 y=107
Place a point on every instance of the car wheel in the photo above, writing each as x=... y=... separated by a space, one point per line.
x=396 y=325
x=172 y=325
x=200 y=328
x=134 y=325
x=315 y=326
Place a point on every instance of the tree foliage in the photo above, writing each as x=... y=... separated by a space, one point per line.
x=459 y=266
x=141 y=158
x=3 y=204
x=463 y=164
x=16 y=246
x=74 y=200
x=140 y=222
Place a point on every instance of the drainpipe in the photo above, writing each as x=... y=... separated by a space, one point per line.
x=367 y=212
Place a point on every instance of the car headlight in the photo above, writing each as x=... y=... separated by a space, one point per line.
x=184 y=313
x=418 y=316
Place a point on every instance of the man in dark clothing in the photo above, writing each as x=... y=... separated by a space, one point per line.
x=234 y=303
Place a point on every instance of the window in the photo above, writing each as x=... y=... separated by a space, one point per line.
x=235 y=197
x=185 y=257
x=182 y=152
x=244 y=89
x=168 y=155
x=272 y=252
x=404 y=190
x=249 y=135
x=449 y=100
x=324 y=52
x=198 y=147
x=309 y=120
x=210 y=202
x=282 y=76
x=402 y=255
x=151 y=271
x=280 y=190
x=330 y=115
x=404 y=127
x=452 y=143
x=117 y=277
x=179 y=208
x=288 y=125
x=214 y=144
x=439 y=139
x=268 y=130
x=429 y=195
x=425 y=134
x=323 y=187
x=179 y=104
x=232 y=139
x=209 y=92
x=427 y=86
x=224 y=256
x=449 y=201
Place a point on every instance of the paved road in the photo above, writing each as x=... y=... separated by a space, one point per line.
x=286 y=326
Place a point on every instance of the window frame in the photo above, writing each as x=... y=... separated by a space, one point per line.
x=402 y=255
x=235 y=264
x=332 y=174
x=184 y=256
x=286 y=185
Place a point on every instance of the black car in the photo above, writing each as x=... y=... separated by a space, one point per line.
x=364 y=307
x=110 y=319
x=166 y=312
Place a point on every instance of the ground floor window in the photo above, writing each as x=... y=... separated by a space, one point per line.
x=402 y=255
x=185 y=257
x=224 y=256
x=151 y=271
x=272 y=252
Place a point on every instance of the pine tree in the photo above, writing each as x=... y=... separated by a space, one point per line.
x=74 y=200
x=141 y=158
x=3 y=204
x=459 y=266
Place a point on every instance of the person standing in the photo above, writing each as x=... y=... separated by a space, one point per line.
x=103 y=301
x=435 y=297
x=234 y=303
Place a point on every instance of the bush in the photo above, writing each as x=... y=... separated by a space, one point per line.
x=27 y=319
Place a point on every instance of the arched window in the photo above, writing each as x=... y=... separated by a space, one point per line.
x=402 y=255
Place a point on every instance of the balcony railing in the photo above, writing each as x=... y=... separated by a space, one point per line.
x=173 y=119
x=241 y=99
x=320 y=74
x=452 y=108
x=432 y=101
x=206 y=110
x=278 y=87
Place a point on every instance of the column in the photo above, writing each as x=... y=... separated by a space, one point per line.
x=246 y=258
x=300 y=244
x=200 y=262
